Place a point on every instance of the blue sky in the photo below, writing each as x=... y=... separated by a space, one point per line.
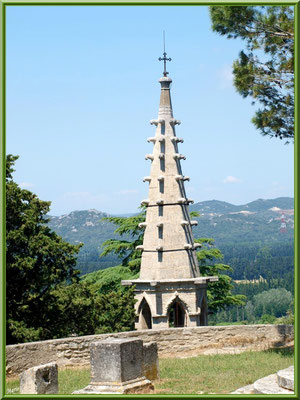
x=82 y=85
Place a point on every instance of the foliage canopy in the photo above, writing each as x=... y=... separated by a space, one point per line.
x=37 y=260
x=126 y=249
x=265 y=69
x=45 y=298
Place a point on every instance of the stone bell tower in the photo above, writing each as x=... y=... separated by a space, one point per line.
x=170 y=291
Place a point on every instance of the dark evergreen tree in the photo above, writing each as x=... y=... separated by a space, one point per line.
x=125 y=249
x=82 y=309
x=45 y=298
x=265 y=68
x=37 y=260
x=274 y=302
x=219 y=294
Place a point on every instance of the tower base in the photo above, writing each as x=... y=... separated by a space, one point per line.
x=171 y=303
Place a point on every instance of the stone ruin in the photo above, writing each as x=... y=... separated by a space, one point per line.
x=118 y=367
x=42 y=379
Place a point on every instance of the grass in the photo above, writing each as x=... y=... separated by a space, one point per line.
x=74 y=379
x=219 y=373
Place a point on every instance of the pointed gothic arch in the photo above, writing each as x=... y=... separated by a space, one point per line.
x=172 y=299
x=145 y=315
x=177 y=313
x=139 y=304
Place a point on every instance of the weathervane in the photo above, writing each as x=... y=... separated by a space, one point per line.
x=165 y=58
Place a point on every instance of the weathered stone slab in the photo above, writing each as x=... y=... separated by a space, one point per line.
x=151 y=367
x=269 y=385
x=42 y=379
x=285 y=378
x=117 y=367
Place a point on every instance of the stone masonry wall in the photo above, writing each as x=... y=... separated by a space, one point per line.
x=75 y=351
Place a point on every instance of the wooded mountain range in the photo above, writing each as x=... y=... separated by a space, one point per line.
x=239 y=231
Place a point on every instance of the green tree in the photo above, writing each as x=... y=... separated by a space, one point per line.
x=265 y=69
x=117 y=313
x=274 y=302
x=218 y=293
x=109 y=279
x=125 y=249
x=267 y=319
x=37 y=260
x=82 y=309
x=75 y=309
x=249 y=308
x=45 y=297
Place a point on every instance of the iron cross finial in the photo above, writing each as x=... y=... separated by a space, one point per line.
x=165 y=58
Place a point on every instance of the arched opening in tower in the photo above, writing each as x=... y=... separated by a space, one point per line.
x=145 y=320
x=176 y=315
x=203 y=315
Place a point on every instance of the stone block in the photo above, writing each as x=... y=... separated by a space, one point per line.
x=116 y=360
x=117 y=367
x=151 y=368
x=42 y=379
x=285 y=378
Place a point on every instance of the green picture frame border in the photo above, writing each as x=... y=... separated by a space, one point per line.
x=9 y=3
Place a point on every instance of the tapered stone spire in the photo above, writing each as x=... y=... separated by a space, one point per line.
x=168 y=248
x=170 y=291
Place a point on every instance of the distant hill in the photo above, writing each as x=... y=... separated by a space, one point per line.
x=284 y=203
x=259 y=205
x=81 y=226
x=259 y=220
x=86 y=227
x=239 y=231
